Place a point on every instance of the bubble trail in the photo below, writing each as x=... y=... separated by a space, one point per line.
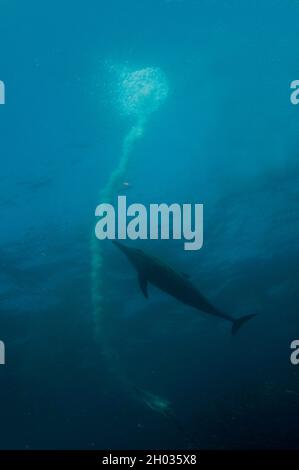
x=138 y=94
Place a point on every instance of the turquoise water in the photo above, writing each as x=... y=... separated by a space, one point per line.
x=148 y=373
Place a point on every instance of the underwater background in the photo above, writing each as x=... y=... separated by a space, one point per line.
x=148 y=374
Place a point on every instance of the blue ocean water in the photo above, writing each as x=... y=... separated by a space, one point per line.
x=159 y=375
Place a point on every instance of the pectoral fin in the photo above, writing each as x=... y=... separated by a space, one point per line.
x=143 y=285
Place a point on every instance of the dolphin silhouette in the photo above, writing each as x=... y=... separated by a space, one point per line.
x=154 y=271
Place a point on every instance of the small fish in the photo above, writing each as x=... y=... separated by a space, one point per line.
x=125 y=185
x=291 y=392
x=34 y=185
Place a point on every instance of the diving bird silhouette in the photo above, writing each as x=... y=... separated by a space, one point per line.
x=155 y=271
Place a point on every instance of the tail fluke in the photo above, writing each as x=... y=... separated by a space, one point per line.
x=240 y=321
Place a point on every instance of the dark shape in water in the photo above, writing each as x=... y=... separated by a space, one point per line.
x=36 y=184
x=162 y=406
x=155 y=271
x=154 y=402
